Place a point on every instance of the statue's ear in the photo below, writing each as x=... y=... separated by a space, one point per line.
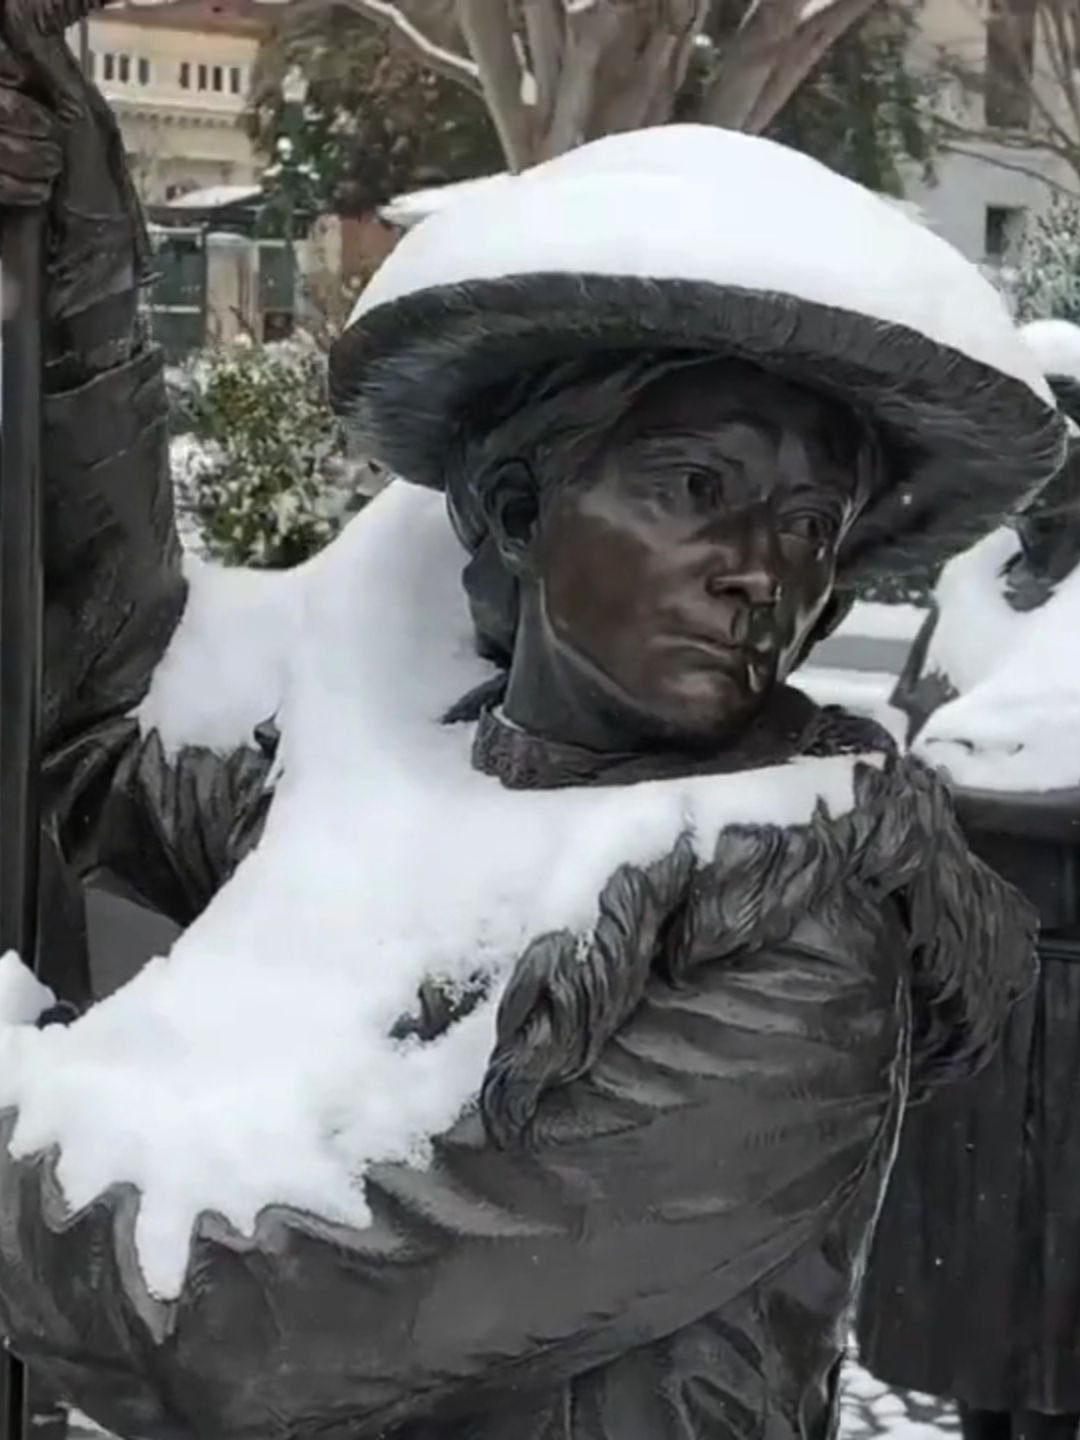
x=512 y=509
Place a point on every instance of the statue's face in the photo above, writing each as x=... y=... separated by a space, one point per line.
x=681 y=575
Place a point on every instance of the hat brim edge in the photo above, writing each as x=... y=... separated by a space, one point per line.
x=967 y=443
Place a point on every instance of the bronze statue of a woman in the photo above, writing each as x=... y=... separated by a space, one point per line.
x=557 y=974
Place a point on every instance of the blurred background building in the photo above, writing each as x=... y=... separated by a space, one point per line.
x=1014 y=108
x=177 y=73
x=180 y=76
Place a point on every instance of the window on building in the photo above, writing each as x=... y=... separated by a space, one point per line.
x=123 y=69
x=185 y=75
x=236 y=80
x=203 y=75
x=142 y=70
x=1010 y=63
x=108 y=66
x=217 y=79
x=1003 y=232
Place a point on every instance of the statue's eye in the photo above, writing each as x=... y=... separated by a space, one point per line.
x=810 y=526
x=704 y=487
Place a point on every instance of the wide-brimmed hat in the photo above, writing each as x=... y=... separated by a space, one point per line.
x=1056 y=344
x=697 y=239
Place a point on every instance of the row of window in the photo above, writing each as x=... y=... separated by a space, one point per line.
x=137 y=70
x=217 y=78
x=127 y=69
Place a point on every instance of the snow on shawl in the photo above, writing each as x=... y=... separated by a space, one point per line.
x=257 y=1072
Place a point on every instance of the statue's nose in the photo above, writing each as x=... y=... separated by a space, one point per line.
x=754 y=584
x=745 y=564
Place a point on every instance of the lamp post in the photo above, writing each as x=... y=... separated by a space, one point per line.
x=294 y=93
x=84 y=45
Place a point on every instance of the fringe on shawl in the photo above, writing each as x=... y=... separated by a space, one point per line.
x=967 y=937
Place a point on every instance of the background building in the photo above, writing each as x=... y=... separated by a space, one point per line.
x=177 y=73
x=990 y=182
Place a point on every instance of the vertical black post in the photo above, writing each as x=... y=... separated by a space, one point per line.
x=21 y=603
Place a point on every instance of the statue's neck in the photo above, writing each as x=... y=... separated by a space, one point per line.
x=558 y=722
x=525 y=760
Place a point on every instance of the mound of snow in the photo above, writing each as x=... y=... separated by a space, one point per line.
x=1056 y=344
x=1014 y=727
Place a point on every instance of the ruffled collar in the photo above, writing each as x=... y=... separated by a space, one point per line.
x=794 y=726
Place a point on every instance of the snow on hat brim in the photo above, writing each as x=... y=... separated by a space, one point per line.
x=1067 y=392
x=1056 y=345
x=694 y=238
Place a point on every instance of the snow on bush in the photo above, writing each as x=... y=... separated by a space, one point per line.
x=262 y=473
x=1046 y=282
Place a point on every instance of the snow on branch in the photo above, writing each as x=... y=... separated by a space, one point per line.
x=813 y=8
x=439 y=57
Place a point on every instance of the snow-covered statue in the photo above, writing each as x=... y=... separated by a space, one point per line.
x=556 y=974
x=973 y=1284
x=981 y=603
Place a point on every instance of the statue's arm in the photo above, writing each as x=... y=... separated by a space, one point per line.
x=920 y=692
x=166 y=829
x=114 y=583
x=168 y=826
x=973 y=942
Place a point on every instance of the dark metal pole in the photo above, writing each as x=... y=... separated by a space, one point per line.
x=21 y=600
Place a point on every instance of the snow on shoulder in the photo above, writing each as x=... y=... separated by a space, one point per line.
x=255 y=1066
x=1056 y=345
x=977 y=628
x=226 y=667
x=1015 y=729
x=641 y=204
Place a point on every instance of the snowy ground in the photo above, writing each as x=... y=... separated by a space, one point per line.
x=869 y=1409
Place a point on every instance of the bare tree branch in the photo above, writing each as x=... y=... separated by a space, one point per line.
x=439 y=57
x=556 y=73
x=490 y=38
x=589 y=34
x=1015 y=167
x=819 y=29
x=1060 y=35
x=1032 y=67
x=662 y=65
x=748 y=62
x=545 y=40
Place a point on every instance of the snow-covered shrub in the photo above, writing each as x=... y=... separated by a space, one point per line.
x=262 y=475
x=1046 y=282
